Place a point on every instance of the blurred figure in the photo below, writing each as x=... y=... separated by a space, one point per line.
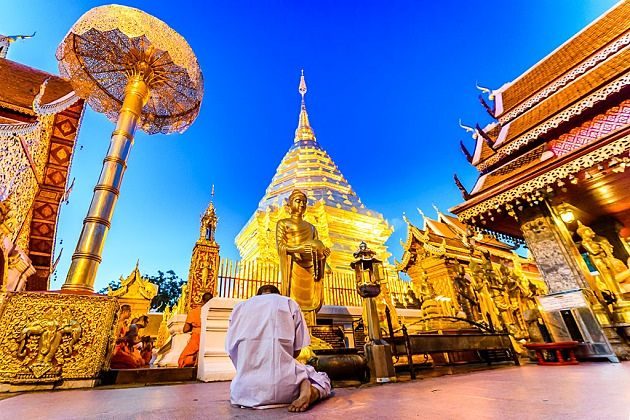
x=188 y=358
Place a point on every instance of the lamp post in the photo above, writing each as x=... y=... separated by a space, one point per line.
x=369 y=274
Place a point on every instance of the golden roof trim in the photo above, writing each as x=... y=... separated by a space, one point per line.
x=585 y=161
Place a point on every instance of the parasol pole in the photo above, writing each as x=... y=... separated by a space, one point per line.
x=87 y=255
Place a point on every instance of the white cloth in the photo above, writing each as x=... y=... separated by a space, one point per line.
x=263 y=334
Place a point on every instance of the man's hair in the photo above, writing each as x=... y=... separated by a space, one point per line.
x=125 y=308
x=206 y=297
x=268 y=288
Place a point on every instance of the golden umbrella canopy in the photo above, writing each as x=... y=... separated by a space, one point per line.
x=140 y=73
x=108 y=44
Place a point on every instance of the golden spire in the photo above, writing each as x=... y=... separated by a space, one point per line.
x=304 y=130
x=209 y=221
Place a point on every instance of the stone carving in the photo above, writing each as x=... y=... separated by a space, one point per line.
x=552 y=260
x=466 y=297
x=612 y=271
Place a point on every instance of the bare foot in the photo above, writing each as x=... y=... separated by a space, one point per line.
x=308 y=395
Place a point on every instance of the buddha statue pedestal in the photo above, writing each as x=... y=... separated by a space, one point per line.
x=168 y=354
x=621 y=311
x=52 y=340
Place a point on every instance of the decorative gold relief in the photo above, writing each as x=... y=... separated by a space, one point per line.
x=50 y=337
x=45 y=343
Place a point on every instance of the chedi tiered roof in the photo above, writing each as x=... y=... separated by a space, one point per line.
x=308 y=167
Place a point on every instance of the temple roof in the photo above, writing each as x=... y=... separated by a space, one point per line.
x=134 y=287
x=606 y=29
x=564 y=115
x=19 y=84
x=445 y=235
x=578 y=75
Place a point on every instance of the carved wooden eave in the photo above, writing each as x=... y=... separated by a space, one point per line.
x=581 y=72
x=39 y=120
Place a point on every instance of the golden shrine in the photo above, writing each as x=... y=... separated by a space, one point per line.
x=552 y=176
x=457 y=273
x=39 y=119
x=204 y=263
x=335 y=210
x=135 y=291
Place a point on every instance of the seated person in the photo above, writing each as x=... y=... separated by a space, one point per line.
x=265 y=335
x=123 y=318
x=188 y=358
x=125 y=355
x=141 y=322
x=147 y=350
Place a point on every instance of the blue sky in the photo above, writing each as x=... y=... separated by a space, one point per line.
x=390 y=78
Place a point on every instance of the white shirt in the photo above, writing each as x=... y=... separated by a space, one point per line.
x=263 y=333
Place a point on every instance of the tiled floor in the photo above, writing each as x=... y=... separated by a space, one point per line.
x=585 y=391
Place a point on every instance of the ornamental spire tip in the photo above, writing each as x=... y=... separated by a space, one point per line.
x=304 y=130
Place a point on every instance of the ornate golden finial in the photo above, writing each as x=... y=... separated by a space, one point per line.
x=209 y=220
x=302 y=89
x=304 y=130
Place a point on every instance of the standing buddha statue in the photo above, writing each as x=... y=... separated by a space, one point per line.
x=465 y=293
x=302 y=258
x=613 y=272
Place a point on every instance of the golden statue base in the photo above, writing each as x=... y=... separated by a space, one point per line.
x=54 y=340
x=621 y=311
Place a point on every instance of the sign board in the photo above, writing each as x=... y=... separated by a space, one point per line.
x=561 y=301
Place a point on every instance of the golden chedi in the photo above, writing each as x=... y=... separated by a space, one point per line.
x=334 y=208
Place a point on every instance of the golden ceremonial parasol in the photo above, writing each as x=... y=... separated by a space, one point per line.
x=136 y=70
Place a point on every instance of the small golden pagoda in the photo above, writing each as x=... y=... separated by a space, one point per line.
x=204 y=263
x=336 y=211
x=136 y=292
x=457 y=272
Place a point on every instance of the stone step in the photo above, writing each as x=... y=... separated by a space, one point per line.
x=148 y=376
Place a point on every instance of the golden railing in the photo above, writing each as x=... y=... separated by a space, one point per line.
x=241 y=280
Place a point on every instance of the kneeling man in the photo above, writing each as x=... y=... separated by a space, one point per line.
x=265 y=335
